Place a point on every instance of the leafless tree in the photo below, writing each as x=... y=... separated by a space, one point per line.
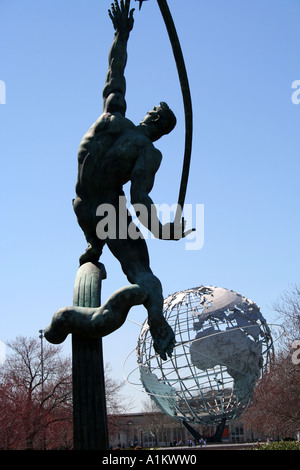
x=36 y=393
x=275 y=409
x=157 y=422
x=36 y=409
x=116 y=403
x=288 y=310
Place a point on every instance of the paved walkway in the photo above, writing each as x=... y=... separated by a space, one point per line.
x=216 y=446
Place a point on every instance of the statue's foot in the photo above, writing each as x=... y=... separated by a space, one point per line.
x=163 y=337
x=92 y=254
x=57 y=331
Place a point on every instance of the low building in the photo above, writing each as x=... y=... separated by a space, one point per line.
x=156 y=429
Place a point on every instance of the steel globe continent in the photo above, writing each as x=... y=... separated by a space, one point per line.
x=223 y=346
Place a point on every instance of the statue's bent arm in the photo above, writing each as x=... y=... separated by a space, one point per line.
x=142 y=180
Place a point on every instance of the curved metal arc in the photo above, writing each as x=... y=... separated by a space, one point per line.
x=187 y=101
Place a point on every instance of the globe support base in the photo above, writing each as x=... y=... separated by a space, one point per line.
x=217 y=437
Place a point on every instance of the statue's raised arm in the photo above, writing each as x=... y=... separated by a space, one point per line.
x=115 y=84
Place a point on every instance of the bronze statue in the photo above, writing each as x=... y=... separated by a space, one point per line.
x=113 y=152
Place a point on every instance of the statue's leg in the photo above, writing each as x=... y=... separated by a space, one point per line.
x=85 y=211
x=134 y=259
x=95 y=322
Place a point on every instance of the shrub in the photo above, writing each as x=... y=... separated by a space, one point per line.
x=281 y=445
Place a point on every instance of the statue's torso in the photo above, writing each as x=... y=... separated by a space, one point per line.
x=107 y=155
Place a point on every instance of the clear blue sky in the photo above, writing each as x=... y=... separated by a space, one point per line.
x=242 y=57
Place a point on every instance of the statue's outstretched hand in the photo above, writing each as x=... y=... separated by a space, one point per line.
x=121 y=17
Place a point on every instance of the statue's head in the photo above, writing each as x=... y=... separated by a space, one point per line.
x=159 y=121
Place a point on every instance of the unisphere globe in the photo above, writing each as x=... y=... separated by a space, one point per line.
x=223 y=346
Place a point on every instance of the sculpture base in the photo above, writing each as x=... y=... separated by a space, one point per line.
x=89 y=402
